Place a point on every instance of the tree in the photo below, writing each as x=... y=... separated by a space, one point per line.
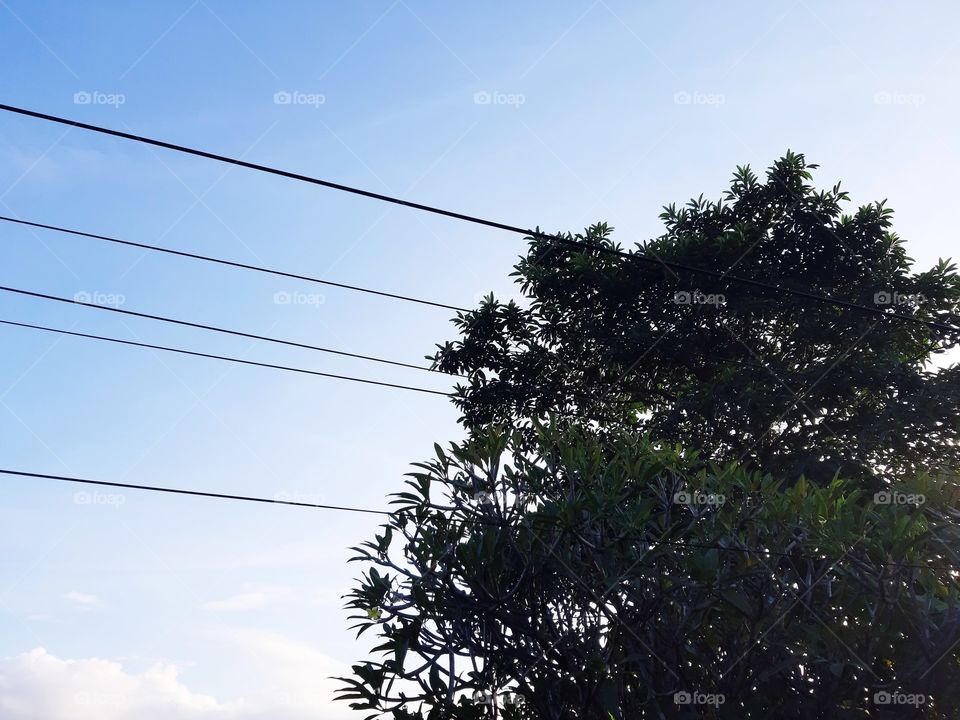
x=685 y=496
x=620 y=578
x=788 y=386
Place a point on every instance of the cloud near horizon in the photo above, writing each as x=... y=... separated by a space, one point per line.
x=37 y=685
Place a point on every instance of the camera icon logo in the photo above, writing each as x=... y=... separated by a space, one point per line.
x=882 y=98
x=482 y=497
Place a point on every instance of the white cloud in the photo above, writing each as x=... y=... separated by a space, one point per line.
x=37 y=685
x=296 y=675
x=80 y=598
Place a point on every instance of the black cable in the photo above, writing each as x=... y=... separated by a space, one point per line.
x=222 y=357
x=197 y=493
x=721 y=275
x=231 y=263
x=213 y=328
x=481 y=221
x=262 y=168
x=345 y=508
x=397 y=201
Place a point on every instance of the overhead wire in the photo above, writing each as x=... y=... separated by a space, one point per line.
x=231 y=263
x=213 y=328
x=224 y=358
x=482 y=520
x=642 y=257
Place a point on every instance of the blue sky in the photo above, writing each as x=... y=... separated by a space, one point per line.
x=554 y=114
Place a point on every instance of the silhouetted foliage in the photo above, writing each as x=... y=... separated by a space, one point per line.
x=685 y=497
x=789 y=386
x=584 y=583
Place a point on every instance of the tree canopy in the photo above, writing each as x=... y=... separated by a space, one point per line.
x=787 y=385
x=618 y=578
x=685 y=495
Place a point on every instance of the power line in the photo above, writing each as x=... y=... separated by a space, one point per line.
x=213 y=328
x=262 y=168
x=196 y=493
x=721 y=275
x=643 y=257
x=385 y=198
x=230 y=263
x=222 y=357
x=347 y=508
